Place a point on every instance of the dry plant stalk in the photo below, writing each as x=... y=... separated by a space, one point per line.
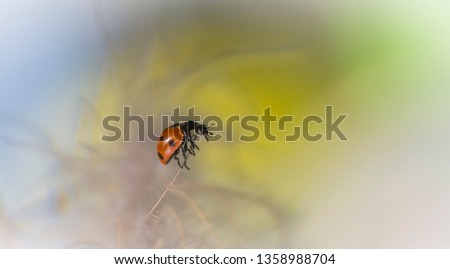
x=150 y=213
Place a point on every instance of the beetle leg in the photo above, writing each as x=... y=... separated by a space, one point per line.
x=185 y=155
x=188 y=148
x=193 y=145
x=185 y=165
x=183 y=150
x=185 y=160
x=178 y=160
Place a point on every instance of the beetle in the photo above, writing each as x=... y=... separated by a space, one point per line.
x=180 y=137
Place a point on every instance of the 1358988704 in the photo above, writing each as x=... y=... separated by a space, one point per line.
x=295 y=258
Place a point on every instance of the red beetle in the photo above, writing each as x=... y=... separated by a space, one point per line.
x=180 y=136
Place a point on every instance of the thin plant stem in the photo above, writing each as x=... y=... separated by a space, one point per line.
x=162 y=196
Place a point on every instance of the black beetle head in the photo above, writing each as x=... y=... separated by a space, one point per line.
x=202 y=129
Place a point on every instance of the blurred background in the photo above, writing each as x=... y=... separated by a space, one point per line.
x=64 y=66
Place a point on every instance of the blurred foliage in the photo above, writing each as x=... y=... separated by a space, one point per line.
x=232 y=59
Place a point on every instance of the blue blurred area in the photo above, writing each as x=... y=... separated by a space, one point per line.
x=44 y=46
x=49 y=51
